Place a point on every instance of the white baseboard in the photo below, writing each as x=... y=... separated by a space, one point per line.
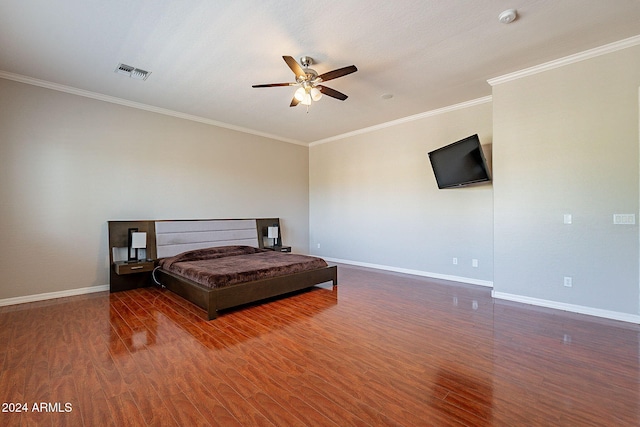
x=607 y=314
x=53 y=295
x=460 y=279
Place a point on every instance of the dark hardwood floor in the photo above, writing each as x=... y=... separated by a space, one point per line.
x=380 y=349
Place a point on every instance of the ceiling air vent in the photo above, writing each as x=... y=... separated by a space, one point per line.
x=133 y=72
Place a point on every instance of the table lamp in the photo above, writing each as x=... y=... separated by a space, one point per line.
x=272 y=233
x=138 y=241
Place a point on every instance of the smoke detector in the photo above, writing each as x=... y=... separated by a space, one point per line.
x=508 y=16
x=133 y=72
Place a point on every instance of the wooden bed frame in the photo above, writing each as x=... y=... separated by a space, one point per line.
x=213 y=300
x=172 y=237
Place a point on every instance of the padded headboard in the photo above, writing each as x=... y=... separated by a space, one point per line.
x=174 y=237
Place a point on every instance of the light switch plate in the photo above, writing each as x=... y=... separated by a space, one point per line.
x=624 y=219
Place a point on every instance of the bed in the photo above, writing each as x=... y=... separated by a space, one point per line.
x=220 y=264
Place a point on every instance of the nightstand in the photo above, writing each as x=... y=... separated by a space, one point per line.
x=123 y=267
x=130 y=275
x=125 y=275
x=279 y=248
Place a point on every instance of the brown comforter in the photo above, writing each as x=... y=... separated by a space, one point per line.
x=229 y=265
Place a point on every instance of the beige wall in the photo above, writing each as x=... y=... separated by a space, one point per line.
x=68 y=164
x=374 y=199
x=566 y=142
x=563 y=141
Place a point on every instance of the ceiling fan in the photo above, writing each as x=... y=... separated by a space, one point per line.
x=309 y=81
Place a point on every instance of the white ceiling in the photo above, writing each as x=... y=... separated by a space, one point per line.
x=204 y=55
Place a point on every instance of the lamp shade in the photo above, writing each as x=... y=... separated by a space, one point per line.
x=300 y=94
x=272 y=232
x=138 y=240
x=316 y=94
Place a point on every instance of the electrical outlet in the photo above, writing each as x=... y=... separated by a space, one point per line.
x=318 y=245
x=568 y=282
x=474 y=262
x=455 y=261
x=568 y=219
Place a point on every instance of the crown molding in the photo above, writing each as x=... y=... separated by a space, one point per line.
x=138 y=105
x=588 y=54
x=571 y=59
x=408 y=119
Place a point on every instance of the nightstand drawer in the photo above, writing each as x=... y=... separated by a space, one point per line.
x=134 y=267
x=279 y=248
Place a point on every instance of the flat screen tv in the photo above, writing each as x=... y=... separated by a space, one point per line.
x=461 y=163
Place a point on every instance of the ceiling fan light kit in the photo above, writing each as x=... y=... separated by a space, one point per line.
x=308 y=81
x=305 y=94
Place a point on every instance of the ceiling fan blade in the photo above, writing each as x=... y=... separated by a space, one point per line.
x=332 y=93
x=275 y=85
x=330 y=75
x=294 y=102
x=295 y=67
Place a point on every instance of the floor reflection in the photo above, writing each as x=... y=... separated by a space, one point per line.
x=472 y=389
x=162 y=319
x=396 y=350
x=567 y=364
